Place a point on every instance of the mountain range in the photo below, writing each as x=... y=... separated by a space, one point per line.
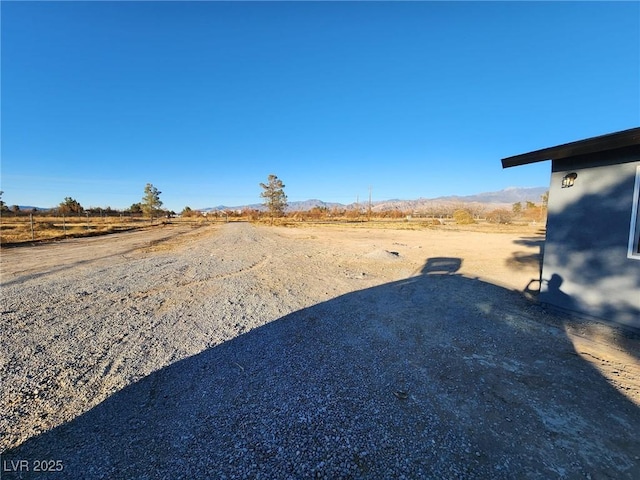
x=501 y=198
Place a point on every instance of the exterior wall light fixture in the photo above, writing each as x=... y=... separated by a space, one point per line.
x=569 y=179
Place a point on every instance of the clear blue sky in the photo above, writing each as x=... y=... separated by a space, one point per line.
x=206 y=99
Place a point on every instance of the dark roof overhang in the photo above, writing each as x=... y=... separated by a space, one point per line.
x=611 y=141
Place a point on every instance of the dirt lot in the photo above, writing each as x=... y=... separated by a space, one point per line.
x=241 y=351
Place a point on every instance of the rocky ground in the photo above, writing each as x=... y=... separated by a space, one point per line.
x=241 y=351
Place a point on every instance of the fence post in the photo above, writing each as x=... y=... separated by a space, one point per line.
x=31 y=220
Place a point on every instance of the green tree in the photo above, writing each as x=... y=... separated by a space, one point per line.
x=3 y=206
x=274 y=197
x=517 y=208
x=70 y=206
x=136 y=208
x=151 y=202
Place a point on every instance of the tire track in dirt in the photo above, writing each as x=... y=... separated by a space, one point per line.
x=23 y=263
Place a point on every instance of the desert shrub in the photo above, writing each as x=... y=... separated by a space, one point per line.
x=535 y=214
x=463 y=217
x=433 y=222
x=317 y=213
x=187 y=212
x=500 y=215
x=353 y=213
x=252 y=215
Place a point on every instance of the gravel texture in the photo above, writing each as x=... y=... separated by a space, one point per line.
x=237 y=351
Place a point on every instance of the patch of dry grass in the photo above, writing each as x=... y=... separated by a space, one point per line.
x=22 y=229
x=19 y=229
x=413 y=224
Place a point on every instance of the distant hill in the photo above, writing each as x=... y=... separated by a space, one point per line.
x=502 y=198
x=309 y=204
x=301 y=206
x=29 y=208
x=508 y=195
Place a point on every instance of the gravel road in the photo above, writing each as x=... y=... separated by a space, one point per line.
x=240 y=351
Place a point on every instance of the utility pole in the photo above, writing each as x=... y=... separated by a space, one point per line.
x=369 y=210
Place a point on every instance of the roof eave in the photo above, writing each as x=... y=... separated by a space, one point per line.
x=601 y=143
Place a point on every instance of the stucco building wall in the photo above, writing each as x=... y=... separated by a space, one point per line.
x=586 y=266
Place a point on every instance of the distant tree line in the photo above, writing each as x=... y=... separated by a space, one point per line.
x=275 y=206
x=150 y=206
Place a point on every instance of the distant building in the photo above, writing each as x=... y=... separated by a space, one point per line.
x=591 y=258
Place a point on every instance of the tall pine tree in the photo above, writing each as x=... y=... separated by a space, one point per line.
x=274 y=197
x=151 y=202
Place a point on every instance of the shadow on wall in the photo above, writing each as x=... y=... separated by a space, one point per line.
x=437 y=375
x=554 y=295
x=586 y=246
